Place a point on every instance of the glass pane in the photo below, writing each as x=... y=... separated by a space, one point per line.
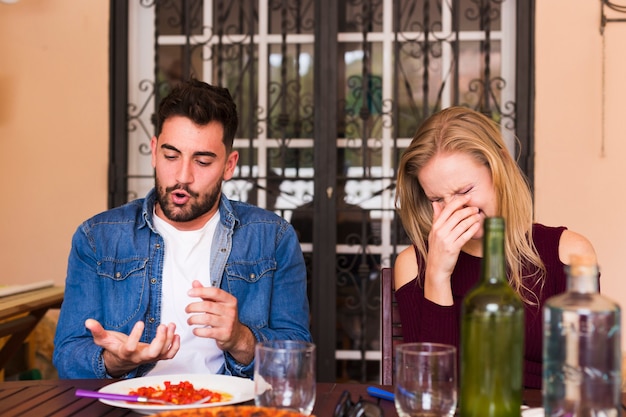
x=234 y=17
x=178 y=17
x=291 y=16
x=420 y=76
x=360 y=16
x=480 y=14
x=290 y=91
x=480 y=84
x=362 y=102
x=419 y=16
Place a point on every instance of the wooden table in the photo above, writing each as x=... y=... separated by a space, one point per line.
x=20 y=313
x=55 y=398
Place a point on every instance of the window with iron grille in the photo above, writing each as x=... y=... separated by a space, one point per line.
x=329 y=94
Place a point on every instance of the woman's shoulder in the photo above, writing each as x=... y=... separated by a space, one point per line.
x=573 y=243
x=566 y=241
x=405 y=268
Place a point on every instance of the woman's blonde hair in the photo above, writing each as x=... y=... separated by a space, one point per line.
x=462 y=130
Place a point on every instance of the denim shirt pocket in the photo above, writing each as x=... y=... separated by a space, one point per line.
x=251 y=283
x=124 y=284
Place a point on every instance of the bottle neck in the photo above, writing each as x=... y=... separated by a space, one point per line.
x=584 y=282
x=494 y=262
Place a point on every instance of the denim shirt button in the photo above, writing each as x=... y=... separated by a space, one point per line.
x=151 y=320
x=158 y=246
x=118 y=275
x=153 y=281
x=252 y=276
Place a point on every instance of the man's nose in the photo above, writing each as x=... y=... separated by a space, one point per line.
x=185 y=173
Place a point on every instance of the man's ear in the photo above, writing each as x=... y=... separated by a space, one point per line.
x=231 y=164
x=153 y=150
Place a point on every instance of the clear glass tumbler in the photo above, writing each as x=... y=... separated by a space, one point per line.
x=284 y=375
x=426 y=380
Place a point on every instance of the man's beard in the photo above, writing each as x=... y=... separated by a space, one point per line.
x=196 y=206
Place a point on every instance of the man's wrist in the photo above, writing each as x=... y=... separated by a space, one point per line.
x=243 y=351
x=111 y=371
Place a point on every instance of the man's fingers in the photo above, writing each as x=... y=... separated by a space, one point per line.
x=170 y=337
x=134 y=337
x=162 y=342
x=126 y=350
x=93 y=325
x=173 y=349
x=210 y=294
x=96 y=329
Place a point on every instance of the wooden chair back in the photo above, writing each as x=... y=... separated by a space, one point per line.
x=390 y=326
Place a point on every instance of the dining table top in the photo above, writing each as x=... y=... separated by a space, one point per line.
x=56 y=398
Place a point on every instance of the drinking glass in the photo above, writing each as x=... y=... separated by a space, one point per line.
x=284 y=375
x=426 y=380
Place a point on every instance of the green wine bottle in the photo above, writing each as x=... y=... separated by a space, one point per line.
x=492 y=336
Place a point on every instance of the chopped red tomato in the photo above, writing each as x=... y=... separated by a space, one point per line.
x=181 y=393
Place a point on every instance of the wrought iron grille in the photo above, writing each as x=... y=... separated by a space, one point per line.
x=329 y=94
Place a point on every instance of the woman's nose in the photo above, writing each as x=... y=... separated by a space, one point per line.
x=448 y=200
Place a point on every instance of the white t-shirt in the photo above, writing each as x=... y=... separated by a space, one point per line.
x=187 y=258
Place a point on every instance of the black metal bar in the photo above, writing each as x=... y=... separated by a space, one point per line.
x=324 y=293
x=157 y=83
x=614 y=6
x=525 y=87
x=485 y=25
x=118 y=103
x=426 y=57
x=456 y=50
x=186 y=49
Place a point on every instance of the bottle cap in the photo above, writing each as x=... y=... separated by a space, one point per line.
x=583 y=265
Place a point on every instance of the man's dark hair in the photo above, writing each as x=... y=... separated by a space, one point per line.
x=202 y=103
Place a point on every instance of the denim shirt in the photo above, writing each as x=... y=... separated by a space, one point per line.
x=115 y=270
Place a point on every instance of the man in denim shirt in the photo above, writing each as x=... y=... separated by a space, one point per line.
x=184 y=280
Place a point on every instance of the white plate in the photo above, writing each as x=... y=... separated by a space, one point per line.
x=533 y=412
x=242 y=389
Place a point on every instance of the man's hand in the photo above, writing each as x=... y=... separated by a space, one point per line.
x=124 y=353
x=218 y=319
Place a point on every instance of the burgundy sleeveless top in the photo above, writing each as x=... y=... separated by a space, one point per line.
x=424 y=321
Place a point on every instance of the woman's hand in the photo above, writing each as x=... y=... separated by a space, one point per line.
x=454 y=224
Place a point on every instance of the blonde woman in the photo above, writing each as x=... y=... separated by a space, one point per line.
x=455 y=173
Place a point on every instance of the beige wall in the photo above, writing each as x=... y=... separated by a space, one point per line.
x=577 y=183
x=54 y=131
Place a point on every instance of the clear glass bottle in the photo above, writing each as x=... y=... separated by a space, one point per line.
x=582 y=352
x=492 y=336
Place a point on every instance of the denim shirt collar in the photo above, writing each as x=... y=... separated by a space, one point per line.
x=228 y=217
